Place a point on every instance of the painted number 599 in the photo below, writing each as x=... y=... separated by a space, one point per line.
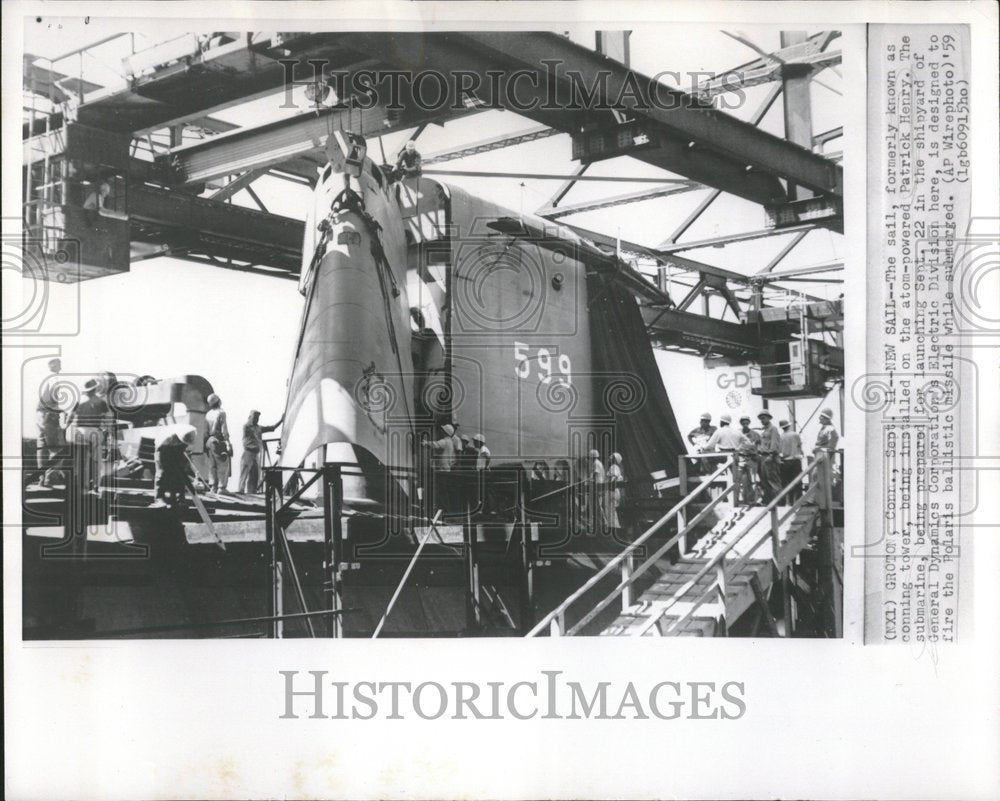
x=523 y=357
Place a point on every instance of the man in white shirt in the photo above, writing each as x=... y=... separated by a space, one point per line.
x=790 y=453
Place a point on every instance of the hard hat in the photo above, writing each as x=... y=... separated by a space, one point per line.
x=448 y=429
x=213 y=399
x=827 y=413
x=616 y=458
x=784 y=423
x=765 y=413
x=706 y=416
x=465 y=439
x=479 y=438
x=594 y=455
x=745 y=419
x=726 y=418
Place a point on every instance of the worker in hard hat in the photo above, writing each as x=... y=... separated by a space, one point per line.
x=442 y=463
x=827 y=436
x=790 y=456
x=253 y=449
x=726 y=440
x=483 y=456
x=767 y=453
x=218 y=447
x=746 y=458
x=699 y=438
x=443 y=448
x=613 y=480
x=593 y=499
x=174 y=470
x=826 y=446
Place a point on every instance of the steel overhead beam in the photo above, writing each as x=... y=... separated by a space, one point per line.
x=284 y=140
x=565 y=187
x=544 y=176
x=673 y=327
x=237 y=184
x=165 y=216
x=756 y=118
x=718 y=241
x=834 y=266
x=769 y=67
x=700 y=143
x=556 y=212
x=491 y=144
x=785 y=251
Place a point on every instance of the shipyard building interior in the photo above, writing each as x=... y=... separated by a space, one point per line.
x=464 y=334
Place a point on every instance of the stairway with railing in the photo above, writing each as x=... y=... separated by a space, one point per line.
x=731 y=569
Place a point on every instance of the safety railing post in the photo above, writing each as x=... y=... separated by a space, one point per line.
x=682 y=485
x=333 y=505
x=786 y=595
x=472 y=616
x=274 y=562
x=527 y=616
x=627 y=565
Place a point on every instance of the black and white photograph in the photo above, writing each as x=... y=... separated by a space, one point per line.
x=536 y=352
x=547 y=344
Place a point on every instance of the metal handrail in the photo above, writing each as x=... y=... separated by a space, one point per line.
x=557 y=616
x=650 y=561
x=747 y=527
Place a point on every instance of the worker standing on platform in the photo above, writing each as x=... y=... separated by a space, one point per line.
x=725 y=440
x=483 y=455
x=826 y=445
x=486 y=496
x=770 y=443
x=218 y=446
x=86 y=431
x=790 y=453
x=459 y=442
x=50 y=433
x=594 y=499
x=746 y=453
x=442 y=462
x=173 y=468
x=613 y=481
x=699 y=438
x=443 y=449
x=408 y=162
x=253 y=448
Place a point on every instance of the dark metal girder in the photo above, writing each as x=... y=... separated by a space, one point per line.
x=200 y=225
x=723 y=147
x=681 y=328
x=672 y=151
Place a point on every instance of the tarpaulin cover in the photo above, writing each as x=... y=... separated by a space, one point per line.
x=646 y=432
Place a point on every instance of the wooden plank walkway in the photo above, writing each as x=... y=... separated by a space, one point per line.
x=710 y=618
